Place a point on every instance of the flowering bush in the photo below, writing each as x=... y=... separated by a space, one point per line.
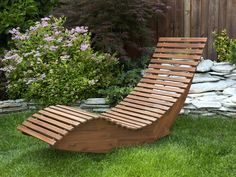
x=53 y=65
x=21 y=13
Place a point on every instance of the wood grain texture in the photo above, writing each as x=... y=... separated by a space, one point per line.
x=198 y=18
x=144 y=116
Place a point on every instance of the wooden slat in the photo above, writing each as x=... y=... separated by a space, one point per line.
x=151 y=91
x=60 y=118
x=36 y=134
x=145 y=102
x=120 y=122
x=123 y=120
x=172 y=68
x=154 y=71
x=52 y=121
x=166 y=78
x=82 y=116
x=165 y=88
x=142 y=111
x=78 y=111
x=48 y=126
x=177 y=39
x=179 y=51
x=126 y=117
x=181 y=45
x=159 y=111
x=159 y=99
x=165 y=83
x=69 y=116
x=179 y=62
x=134 y=114
x=179 y=56
x=42 y=130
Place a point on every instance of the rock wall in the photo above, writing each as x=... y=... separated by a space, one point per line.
x=213 y=90
x=10 y=106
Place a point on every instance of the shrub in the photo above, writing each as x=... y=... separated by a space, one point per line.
x=225 y=47
x=233 y=52
x=21 y=13
x=53 y=65
x=122 y=26
x=124 y=84
x=222 y=45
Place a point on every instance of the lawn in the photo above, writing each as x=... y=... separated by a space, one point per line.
x=197 y=147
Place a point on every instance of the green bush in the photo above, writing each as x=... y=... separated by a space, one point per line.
x=225 y=47
x=233 y=52
x=124 y=84
x=120 y=26
x=21 y=13
x=222 y=45
x=54 y=65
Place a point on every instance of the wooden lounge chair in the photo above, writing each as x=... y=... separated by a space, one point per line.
x=144 y=116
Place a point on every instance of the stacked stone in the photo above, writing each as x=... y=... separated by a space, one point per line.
x=98 y=105
x=9 y=106
x=213 y=90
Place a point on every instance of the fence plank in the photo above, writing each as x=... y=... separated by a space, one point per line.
x=199 y=18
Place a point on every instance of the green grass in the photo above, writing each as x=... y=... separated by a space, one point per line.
x=197 y=147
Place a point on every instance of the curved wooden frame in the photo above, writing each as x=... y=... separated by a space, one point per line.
x=144 y=116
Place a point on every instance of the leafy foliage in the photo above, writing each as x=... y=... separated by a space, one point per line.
x=130 y=74
x=21 y=13
x=233 y=52
x=124 y=84
x=54 y=65
x=222 y=45
x=119 y=26
x=18 y=13
x=225 y=47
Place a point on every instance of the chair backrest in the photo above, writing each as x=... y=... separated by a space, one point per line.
x=168 y=77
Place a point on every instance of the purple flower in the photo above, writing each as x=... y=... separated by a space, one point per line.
x=81 y=29
x=84 y=47
x=53 y=48
x=33 y=28
x=45 y=19
x=14 y=31
x=48 y=39
x=44 y=23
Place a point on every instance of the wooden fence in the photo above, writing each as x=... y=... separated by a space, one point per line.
x=198 y=18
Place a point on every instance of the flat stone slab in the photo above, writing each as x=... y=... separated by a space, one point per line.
x=206 y=104
x=14 y=109
x=218 y=74
x=227 y=68
x=211 y=86
x=213 y=98
x=100 y=110
x=204 y=66
x=205 y=77
x=231 y=76
x=94 y=101
x=190 y=106
x=230 y=91
x=221 y=63
x=230 y=102
x=225 y=109
x=9 y=105
x=196 y=95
